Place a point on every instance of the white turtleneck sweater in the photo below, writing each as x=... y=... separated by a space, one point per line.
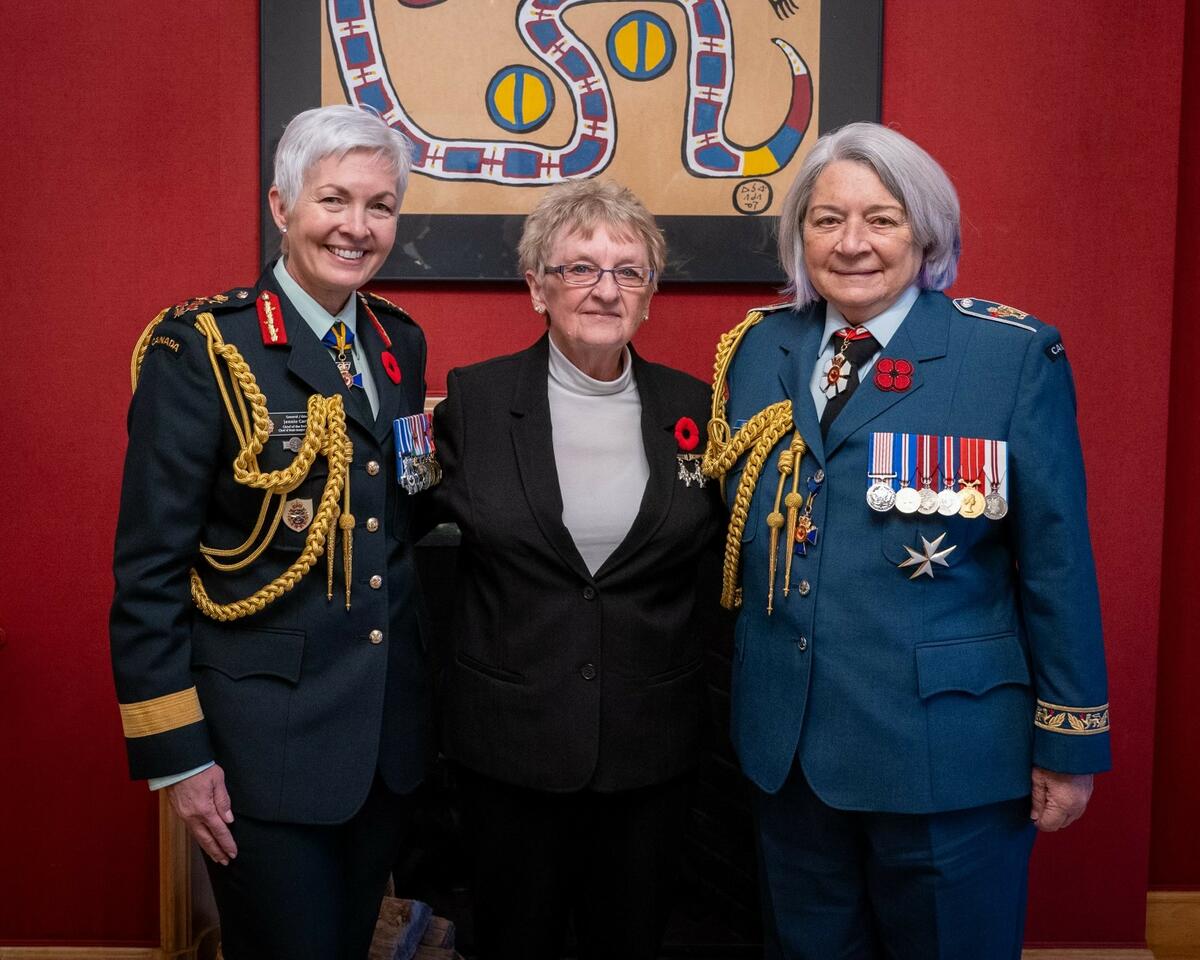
x=598 y=450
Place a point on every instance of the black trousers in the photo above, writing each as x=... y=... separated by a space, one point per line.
x=608 y=859
x=302 y=892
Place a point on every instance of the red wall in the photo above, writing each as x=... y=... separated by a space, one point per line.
x=1175 y=853
x=131 y=166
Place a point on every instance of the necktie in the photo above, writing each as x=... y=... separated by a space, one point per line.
x=340 y=339
x=857 y=346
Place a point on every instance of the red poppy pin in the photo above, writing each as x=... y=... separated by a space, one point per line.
x=893 y=374
x=687 y=434
x=390 y=365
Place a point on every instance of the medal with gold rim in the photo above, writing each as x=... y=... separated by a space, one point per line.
x=970 y=477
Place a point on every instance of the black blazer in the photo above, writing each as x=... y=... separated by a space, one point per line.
x=559 y=680
x=293 y=697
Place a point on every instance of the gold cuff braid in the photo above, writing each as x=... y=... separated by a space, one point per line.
x=160 y=715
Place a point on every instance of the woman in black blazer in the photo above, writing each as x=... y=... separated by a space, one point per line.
x=574 y=699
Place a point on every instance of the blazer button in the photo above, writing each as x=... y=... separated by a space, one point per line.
x=375 y=636
x=589 y=593
x=372 y=467
x=376 y=582
x=802 y=643
x=372 y=524
x=803 y=586
x=588 y=671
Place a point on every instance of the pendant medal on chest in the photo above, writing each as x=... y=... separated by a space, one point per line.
x=907 y=498
x=927 y=469
x=836 y=372
x=970 y=468
x=880 y=495
x=949 y=501
x=995 y=464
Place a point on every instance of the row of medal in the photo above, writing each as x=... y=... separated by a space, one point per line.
x=417 y=467
x=925 y=473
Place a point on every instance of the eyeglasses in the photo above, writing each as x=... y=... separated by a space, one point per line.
x=588 y=274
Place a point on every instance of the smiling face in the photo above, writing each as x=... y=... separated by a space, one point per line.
x=592 y=325
x=341 y=226
x=858 y=247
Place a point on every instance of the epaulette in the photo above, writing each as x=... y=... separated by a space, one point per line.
x=151 y=337
x=771 y=308
x=383 y=303
x=998 y=312
x=236 y=297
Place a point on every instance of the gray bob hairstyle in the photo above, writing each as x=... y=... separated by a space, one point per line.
x=579 y=206
x=910 y=175
x=335 y=131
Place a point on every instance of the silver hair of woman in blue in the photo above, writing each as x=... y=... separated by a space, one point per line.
x=335 y=131
x=910 y=175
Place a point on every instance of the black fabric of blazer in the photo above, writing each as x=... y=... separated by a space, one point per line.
x=559 y=680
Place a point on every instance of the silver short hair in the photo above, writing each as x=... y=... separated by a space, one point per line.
x=910 y=175
x=335 y=131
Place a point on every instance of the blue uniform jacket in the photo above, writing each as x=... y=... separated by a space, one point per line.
x=919 y=696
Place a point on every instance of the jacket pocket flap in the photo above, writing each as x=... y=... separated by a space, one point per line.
x=973 y=665
x=245 y=653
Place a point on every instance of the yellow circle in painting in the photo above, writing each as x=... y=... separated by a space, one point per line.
x=519 y=99
x=641 y=46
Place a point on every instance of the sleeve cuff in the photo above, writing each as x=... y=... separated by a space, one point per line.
x=157 y=783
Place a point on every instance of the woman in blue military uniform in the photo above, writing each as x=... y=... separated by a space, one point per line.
x=265 y=641
x=919 y=674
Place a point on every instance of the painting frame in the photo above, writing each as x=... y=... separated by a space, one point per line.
x=721 y=249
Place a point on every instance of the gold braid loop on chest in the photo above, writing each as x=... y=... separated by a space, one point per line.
x=325 y=435
x=755 y=439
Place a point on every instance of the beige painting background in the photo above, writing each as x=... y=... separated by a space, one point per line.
x=441 y=60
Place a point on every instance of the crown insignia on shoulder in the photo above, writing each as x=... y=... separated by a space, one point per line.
x=991 y=310
x=231 y=298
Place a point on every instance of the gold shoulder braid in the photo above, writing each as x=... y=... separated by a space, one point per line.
x=324 y=435
x=758 y=436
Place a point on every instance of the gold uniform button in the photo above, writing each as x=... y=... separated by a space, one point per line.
x=372 y=524
x=376 y=582
x=376 y=636
x=372 y=467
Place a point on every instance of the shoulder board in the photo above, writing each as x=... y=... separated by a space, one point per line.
x=383 y=303
x=771 y=308
x=236 y=297
x=997 y=312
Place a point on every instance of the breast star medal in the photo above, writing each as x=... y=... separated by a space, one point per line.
x=925 y=559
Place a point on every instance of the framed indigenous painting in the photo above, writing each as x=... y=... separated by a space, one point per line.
x=705 y=108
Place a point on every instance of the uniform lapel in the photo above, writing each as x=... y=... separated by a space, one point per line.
x=311 y=362
x=533 y=443
x=392 y=398
x=921 y=337
x=658 y=440
x=799 y=344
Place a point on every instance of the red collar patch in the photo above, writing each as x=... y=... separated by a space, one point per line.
x=270 y=319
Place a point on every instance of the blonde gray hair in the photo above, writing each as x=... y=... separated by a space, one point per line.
x=579 y=206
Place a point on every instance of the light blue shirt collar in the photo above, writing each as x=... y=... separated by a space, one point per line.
x=883 y=326
x=316 y=316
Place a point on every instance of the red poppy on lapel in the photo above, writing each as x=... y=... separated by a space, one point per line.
x=893 y=374
x=687 y=434
x=390 y=366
